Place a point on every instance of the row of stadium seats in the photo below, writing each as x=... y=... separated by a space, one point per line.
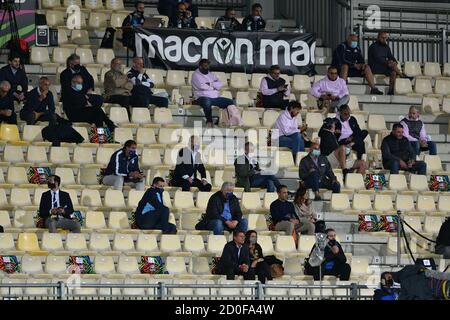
x=88 y=4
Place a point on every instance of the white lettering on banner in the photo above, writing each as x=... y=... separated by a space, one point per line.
x=195 y=58
x=73 y=17
x=239 y=44
x=275 y=45
x=206 y=43
x=174 y=48
x=223 y=50
x=151 y=48
x=304 y=51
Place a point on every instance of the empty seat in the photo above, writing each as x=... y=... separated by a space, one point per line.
x=123 y=242
x=114 y=199
x=90 y=198
x=397 y=182
x=194 y=243
x=412 y=69
x=175 y=78
x=54 y=18
x=404 y=203
x=314 y=120
x=432 y=225
x=285 y=244
x=55 y=264
x=183 y=200
x=442 y=87
x=216 y=243
x=270 y=117
x=376 y=122
x=51 y=241
x=170 y=243
x=116 y=19
x=434 y=163
x=360 y=266
x=418 y=182
x=76 y=242
x=146 y=243
x=403 y=86
x=301 y=83
x=175 y=265
x=114 y=5
x=444 y=203
x=204 y=22
x=414 y=222
x=425 y=203
x=32 y=133
x=423 y=86
x=39 y=55
x=383 y=202
x=82 y=155
x=127 y=265
x=140 y=116
x=104 y=265
x=95 y=220
x=239 y=81
x=31 y=264
x=119 y=115
x=250 y=118
x=97 y=20
x=355 y=181
x=28 y=242
x=20 y=197
x=162 y=116
x=104 y=155
x=340 y=201
x=118 y=220
x=104 y=56
x=6 y=242
x=13 y=154
x=251 y=201
x=432 y=69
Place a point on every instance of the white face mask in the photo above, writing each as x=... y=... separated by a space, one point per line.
x=347 y=151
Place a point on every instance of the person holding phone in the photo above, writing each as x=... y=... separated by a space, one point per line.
x=331 y=91
x=274 y=89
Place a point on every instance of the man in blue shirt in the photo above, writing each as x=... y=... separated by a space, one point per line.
x=386 y=290
x=39 y=105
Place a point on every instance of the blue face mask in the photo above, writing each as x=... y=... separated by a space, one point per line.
x=229 y=195
x=354 y=44
x=78 y=87
x=132 y=153
x=161 y=190
x=315 y=153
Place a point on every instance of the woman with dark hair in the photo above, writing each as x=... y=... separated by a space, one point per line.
x=305 y=211
x=261 y=268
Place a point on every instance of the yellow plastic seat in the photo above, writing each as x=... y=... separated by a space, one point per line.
x=9 y=133
x=123 y=242
x=147 y=243
x=99 y=242
x=114 y=199
x=28 y=242
x=285 y=244
x=170 y=243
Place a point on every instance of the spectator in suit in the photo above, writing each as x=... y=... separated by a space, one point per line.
x=304 y=210
x=117 y=85
x=123 y=167
x=134 y=19
x=315 y=172
x=40 y=104
x=141 y=92
x=82 y=107
x=235 y=259
x=230 y=15
x=274 y=89
x=151 y=212
x=223 y=211
x=338 y=155
x=382 y=61
x=398 y=154
x=254 y=21
x=349 y=61
x=248 y=172
x=16 y=76
x=283 y=213
x=56 y=208
x=260 y=267
x=205 y=87
x=182 y=18
x=331 y=91
x=335 y=263
x=169 y=7
x=414 y=131
x=348 y=131
x=189 y=162
x=7 y=113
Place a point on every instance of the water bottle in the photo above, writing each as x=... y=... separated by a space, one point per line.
x=249 y=26
x=179 y=24
x=181 y=102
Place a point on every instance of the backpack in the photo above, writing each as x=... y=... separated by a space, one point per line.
x=100 y=135
x=230 y=116
x=369 y=223
x=38 y=175
x=61 y=131
x=439 y=183
x=375 y=181
x=152 y=265
x=9 y=264
x=80 y=265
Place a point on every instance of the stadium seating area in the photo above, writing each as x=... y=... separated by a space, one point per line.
x=107 y=235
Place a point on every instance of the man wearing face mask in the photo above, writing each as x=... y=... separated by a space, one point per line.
x=16 y=76
x=331 y=91
x=123 y=167
x=134 y=19
x=82 y=107
x=189 y=163
x=386 y=290
x=223 y=211
x=56 y=208
x=316 y=172
x=117 y=85
x=254 y=21
x=151 y=212
x=182 y=18
x=7 y=113
x=337 y=155
x=274 y=89
x=75 y=68
x=205 y=87
x=382 y=61
x=348 y=59
x=414 y=131
x=141 y=93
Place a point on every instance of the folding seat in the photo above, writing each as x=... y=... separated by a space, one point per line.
x=432 y=69
x=81 y=38
x=33 y=134
x=404 y=203
x=88 y=177
x=215 y=244
x=119 y=115
x=10 y=133
x=383 y=203
x=403 y=87
x=51 y=242
x=97 y=20
x=86 y=57
x=418 y=182
x=397 y=182
x=31 y=264
x=189 y=220
x=27 y=242
x=305 y=243
x=270 y=117
x=314 y=120
x=6 y=242
x=251 y=201
x=239 y=81
x=82 y=156
x=425 y=203
x=104 y=265
x=175 y=265
x=432 y=225
x=444 y=203
x=284 y=159
x=202 y=199
x=13 y=154
x=39 y=55
x=157 y=77
x=355 y=181
x=90 y=198
x=127 y=265
x=104 y=155
x=170 y=243
x=20 y=197
x=104 y=56
x=162 y=116
x=123 y=242
x=37 y=155
x=118 y=220
x=423 y=86
x=59 y=155
x=434 y=163
x=257 y=222
x=442 y=87
x=412 y=69
x=301 y=83
x=151 y=157
x=76 y=242
x=67 y=176
x=168 y=136
x=265 y=241
x=114 y=199
x=99 y=242
x=147 y=243
x=285 y=244
x=199 y=266
x=18 y=176
x=183 y=200
x=175 y=78
x=194 y=243
x=141 y=116
x=340 y=201
x=250 y=119
x=55 y=264
x=376 y=122
x=95 y=220
x=134 y=196
x=54 y=18
x=115 y=5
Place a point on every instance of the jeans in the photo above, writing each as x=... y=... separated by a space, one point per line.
x=270 y=182
x=314 y=181
x=217 y=226
x=431 y=147
x=206 y=103
x=419 y=167
x=294 y=142
x=338 y=103
x=118 y=181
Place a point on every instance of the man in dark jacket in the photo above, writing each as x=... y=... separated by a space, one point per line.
x=16 y=76
x=235 y=259
x=230 y=15
x=382 y=61
x=315 y=171
x=39 y=105
x=274 y=89
x=182 y=18
x=224 y=212
x=134 y=19
x=74 y=68
x=349 y=61
x=283 y=213
x=151 y=212
x=386 y=290
x=248 y=172
x=189 y=162
x=56 y=208
x=169 y=7
x=82 y=107
x=7 y=113
x=348 y=131
x=123 y=167
x=443 y=239
x=254 y=21
x=335 y=263
x=398 y=154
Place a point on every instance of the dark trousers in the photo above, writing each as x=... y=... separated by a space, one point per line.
x=230 y=273
x=186 y=186
x=270 y=182
x=431 y=147
x=315 y=181
x=262 y=271
x=124 y=101
x=206 y=103
x=275 y=101
x=359 y=146
x=156 y=220
x=12 y=119
x=419 y=167
x=30 y=118
x=142 y=97
x=341 y=270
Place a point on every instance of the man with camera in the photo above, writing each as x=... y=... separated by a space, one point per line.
x=398 y=154
x=56 y=208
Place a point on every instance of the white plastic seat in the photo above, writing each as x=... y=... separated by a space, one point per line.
x=104 y=56
x=383 y=202
x=114 y=199
x=175 y=265
x=99 y=242
x=39 y=55
x=404 y=203
x=123 y=242
x=285 y=244
x=403 y=87
x=215 y=244
x=376 y=122
x=95 y=220
x=97 y=20
x=51 y=242
x=76 y=242
x=301 y=83
x=104 y=265
x=239 y=81
x=314 y=120
x=146 y=243
x=127 y=265
x=425 y=203
x=91 y=198
x=175 y=78
x=55 y=264
x=412 y=69
x=432 y=69
x=340 y=201
x=170 y=243
x=423 y=86
x=118 y=220
x=140 y=116
x=397 y=182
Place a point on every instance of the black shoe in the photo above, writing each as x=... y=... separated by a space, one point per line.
x=390 y=93
x=375 y=90
x=318 y=198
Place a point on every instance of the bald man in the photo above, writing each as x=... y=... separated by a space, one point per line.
x=414 y=131
x=141 y=94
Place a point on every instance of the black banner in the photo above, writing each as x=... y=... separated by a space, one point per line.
x=250 y=52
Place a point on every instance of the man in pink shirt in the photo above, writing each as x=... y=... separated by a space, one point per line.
x=331 y=90
x=286 y=129
x=274 y=88
x=205 y=87
x=414 y=131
